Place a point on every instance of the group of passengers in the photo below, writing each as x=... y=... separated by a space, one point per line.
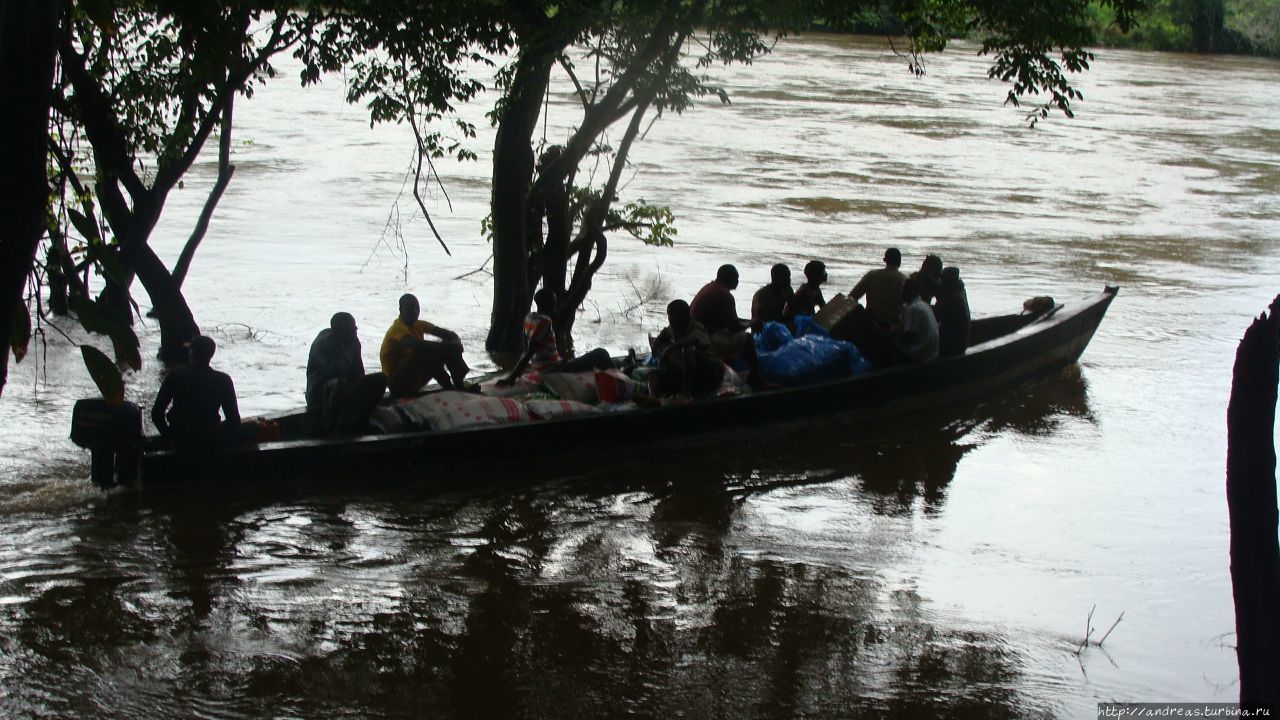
x=340 y=395
x=925 y=315
x=921 y=317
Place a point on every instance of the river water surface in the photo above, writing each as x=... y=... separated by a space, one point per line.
x=937 y=566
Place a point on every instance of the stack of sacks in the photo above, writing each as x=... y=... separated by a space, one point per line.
x=450 y=410
x=577 y=386
x=526 y=385
x=550 y=409
x=601 y=389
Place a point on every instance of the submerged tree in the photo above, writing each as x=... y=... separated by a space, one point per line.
x=626 y=61
x=142 y=87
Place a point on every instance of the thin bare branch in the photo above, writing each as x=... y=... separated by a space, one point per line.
x=582 y=92
x=484 y=268
x=417 y=180
x=1113 y=627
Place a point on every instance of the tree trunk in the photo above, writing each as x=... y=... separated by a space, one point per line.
x=62 y=275
x=116 y=296
x=225 y=171
x=555 y=252
x=177 y=324
x=55 y=276
x=592 y=243
x=27 y=50
x=1207 y=25
x=589 y=261
x=1251 y=503
x=513 y=164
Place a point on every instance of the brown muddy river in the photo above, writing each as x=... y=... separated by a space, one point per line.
x=938 y=566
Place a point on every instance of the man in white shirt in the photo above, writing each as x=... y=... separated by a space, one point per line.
x=917 y=336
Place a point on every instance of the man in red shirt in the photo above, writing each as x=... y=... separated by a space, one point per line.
x=715 y=308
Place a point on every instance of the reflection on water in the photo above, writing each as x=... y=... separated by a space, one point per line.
x=614 y=592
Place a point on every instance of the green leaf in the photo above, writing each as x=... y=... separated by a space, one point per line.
x=105 y=374
x=125 y=344
x=86 y=227
x=107 y=261
x=20 y=337
x=98 y=318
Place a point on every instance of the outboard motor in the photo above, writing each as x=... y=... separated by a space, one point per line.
x=113 y=436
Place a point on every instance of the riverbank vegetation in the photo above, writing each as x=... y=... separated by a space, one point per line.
x=1206 y=26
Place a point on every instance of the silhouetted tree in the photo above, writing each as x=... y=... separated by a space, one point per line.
x=142 y=87
x=1251 y=501
x=27 y=51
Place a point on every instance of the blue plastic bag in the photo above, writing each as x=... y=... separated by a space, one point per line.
x=773 y=336
x=806 y=326
x=810 y=359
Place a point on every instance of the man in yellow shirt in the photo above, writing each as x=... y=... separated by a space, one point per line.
x=409 y=360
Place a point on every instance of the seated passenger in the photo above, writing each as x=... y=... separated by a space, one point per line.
x=883 y=289
x=716 y=310
x=187 y=404
x=952 y=311
x=340 y=396
x=540 y=351
x=686 y=365
x=770 y=302
x=410 y=361
x=917 y=336
x=808 y=298
x=929 y=278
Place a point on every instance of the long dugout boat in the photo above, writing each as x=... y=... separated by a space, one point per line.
x=1004 y=351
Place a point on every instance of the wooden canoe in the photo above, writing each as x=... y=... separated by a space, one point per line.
x=1005 y=351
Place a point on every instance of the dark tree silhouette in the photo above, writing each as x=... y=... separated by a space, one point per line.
x=1251 y=501
x=27 y=51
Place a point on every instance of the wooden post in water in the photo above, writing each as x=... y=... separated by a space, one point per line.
x=1251 y=503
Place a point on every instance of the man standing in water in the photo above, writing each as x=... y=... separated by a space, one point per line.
x=187 y=404
x=883 y=289
x=410 y=360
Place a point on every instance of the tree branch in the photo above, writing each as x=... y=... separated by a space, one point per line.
x=225 y=171
x=110 y=148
